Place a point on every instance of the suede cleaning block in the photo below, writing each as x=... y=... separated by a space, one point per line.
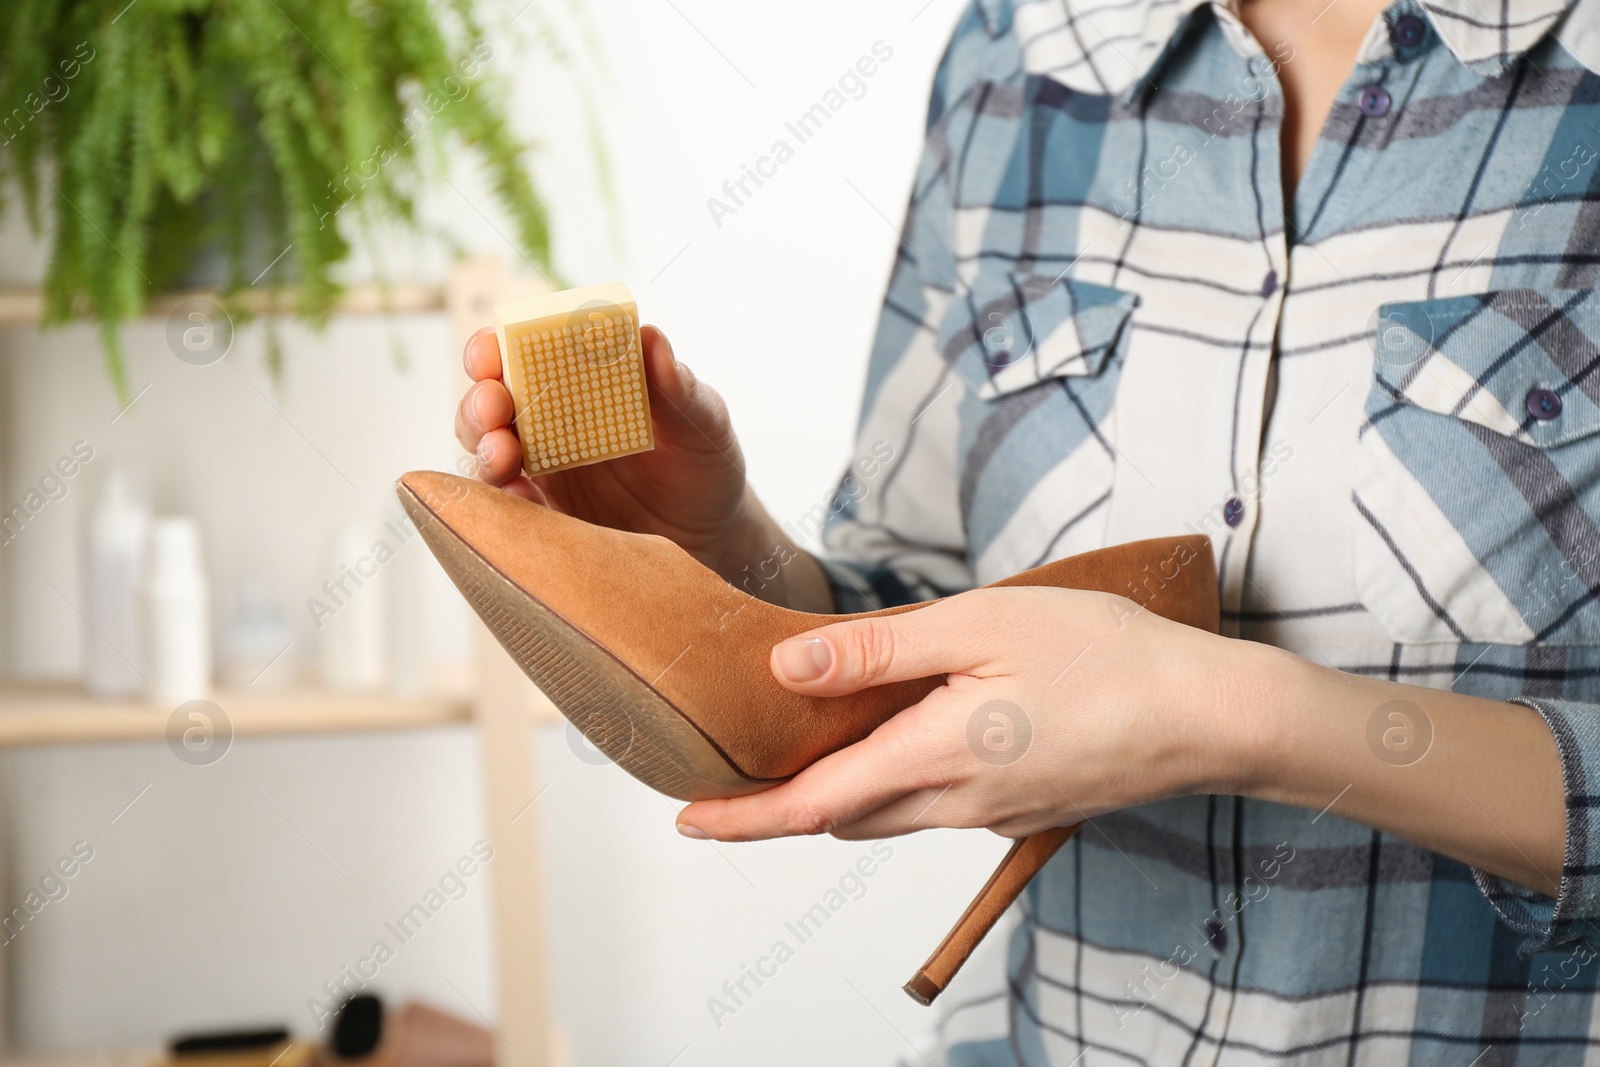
x=576 y=375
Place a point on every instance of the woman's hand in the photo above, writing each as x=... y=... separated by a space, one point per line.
x=690 y=488
x=1059 y=705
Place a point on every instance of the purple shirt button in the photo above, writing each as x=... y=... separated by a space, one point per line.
x=1269 y=284
x=1544 y=404
x=1233 y=511
x=1374 y=101
x=1409 y=31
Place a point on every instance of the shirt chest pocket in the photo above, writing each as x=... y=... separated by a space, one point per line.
x=1039 y=356
x=1477 y=481
x=1013 y=330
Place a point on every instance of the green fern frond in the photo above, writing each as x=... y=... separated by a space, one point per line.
x=149 y=133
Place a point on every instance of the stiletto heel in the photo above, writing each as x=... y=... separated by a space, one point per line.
x=663 y=665
x=1024 y=860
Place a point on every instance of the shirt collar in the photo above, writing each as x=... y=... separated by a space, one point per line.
x=1491 y=35
x=1111 y=47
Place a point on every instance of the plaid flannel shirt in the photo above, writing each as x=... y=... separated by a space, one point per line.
x=1381 y=400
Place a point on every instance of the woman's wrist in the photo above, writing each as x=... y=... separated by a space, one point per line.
x=755 y=554
x=1250 y=697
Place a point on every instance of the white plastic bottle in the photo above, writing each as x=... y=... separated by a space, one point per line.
x=117 y=530
x=405 y=607
x=256 y=643
x=352 y=631
x=177 y=615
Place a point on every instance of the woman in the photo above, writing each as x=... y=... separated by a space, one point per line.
x=1314 y=278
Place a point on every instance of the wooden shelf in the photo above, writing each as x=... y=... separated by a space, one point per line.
x=64 y=715
x=491 y=693
x=104 y=1056
x=24 y=307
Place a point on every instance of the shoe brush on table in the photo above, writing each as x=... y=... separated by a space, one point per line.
x=575 y=372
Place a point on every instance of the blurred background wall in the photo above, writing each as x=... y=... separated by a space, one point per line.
x=229 y=893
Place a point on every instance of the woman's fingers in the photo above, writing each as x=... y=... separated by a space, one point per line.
x=484 y=407
x=922 y=810
x=482 y=355
x=691 y=411
x=484 y=416
x=671 y=379
x=836 y=791
x=950 y=806
x=945 y=637
x=499 y=457
x=526 y=488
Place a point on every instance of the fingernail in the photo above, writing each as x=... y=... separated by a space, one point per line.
x=485 y=451
x=685 y=375
x=478 y=400
x=693 y=831
x=805 y=659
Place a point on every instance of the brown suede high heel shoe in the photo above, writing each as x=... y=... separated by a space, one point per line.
x=663 y=665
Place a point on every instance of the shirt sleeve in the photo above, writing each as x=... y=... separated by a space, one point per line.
x=892 y=533
x=1574 y=914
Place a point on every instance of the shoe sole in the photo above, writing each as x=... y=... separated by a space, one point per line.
x=619 y=712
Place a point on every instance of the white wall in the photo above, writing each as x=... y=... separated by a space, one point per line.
x=204 y=904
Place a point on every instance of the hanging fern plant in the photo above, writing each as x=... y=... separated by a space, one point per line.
x=152 y=132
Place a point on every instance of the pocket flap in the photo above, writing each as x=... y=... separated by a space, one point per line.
x=1018 y=329
x=1521 y=362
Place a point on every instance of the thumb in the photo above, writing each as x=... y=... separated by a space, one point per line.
x=846 y=657
x=681 y=401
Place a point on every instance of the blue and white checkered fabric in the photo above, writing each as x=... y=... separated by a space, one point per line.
x=1382 y=401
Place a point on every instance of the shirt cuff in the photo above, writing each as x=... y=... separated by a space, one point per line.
x=1575 y=913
